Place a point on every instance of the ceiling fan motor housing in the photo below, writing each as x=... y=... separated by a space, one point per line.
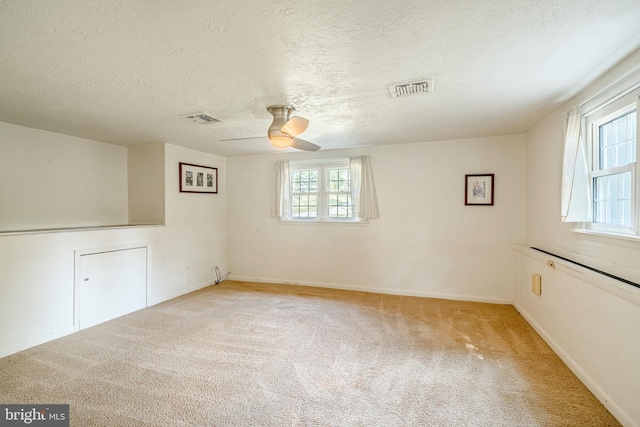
x=280 y=115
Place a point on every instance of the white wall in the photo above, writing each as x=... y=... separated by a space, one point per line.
x=146 y=179
x=194 y=241
x=594 y=330
x=37 y=269
x=50 y=180
x=426 y=242
x=591 y=322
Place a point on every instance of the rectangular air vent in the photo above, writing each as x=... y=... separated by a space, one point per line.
x=411 y=88
x=201 y=117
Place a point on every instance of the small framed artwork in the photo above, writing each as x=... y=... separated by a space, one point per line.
x=478 y=189
x=198 y=179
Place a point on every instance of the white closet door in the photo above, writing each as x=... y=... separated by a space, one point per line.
x=112 y=284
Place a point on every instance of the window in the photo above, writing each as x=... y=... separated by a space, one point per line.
x=320 y=191
x=339 y=192
x=304 y=193
x=612 y=144
x=325 y=190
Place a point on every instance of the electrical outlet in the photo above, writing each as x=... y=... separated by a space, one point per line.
x=536 y=284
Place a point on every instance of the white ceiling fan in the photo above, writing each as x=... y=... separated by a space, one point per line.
x=284 y=129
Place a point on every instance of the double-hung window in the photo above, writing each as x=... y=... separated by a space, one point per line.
x=613 y=152
x=320 y=191
x=325 y=190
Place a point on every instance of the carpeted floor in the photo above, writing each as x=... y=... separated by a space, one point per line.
x=243 y=354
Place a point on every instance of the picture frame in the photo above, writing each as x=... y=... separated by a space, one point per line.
x=198 y=179
x=478 y=189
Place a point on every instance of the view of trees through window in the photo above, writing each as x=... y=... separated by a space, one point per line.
x=612 y=175
x=322 y=192
x=339 y=194
x=304 y=193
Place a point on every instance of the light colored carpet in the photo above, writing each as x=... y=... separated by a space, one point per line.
x=243 y=354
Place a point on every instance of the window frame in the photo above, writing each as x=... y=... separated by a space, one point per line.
x=322 y=166
x=292 y=195
x=591 y=122
x=328 y=194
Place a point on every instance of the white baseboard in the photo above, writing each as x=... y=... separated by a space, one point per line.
x=41 y=339
x=600 y=394
x=387 y=291
x=177 y=293
x=34 y=341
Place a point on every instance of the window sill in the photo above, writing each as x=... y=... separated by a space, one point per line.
x=305 y=222
x=617 y=239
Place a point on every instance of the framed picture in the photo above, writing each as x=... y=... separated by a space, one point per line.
x=478 y=189
x=198 y=179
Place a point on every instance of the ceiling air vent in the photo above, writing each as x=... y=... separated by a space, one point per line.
x=201 y=117
x=411 y=88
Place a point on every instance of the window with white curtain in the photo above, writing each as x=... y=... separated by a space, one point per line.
x=612 y=142
x=326 y=190
x=601 y=183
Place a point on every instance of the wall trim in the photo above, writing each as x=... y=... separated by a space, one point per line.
x=600 y=393
x=177 y=293
x=385 y=291
x=607 y=284
x=37 y=340
x=75 y=229
x=59 y=333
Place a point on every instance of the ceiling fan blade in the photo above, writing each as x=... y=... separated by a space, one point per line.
x=295 y=126
x=301 y=144
x=239 y=139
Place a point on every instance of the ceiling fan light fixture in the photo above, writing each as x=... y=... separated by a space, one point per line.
x=281 y=141
x=284 y=129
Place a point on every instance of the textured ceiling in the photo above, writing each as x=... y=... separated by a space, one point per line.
x=125 y=71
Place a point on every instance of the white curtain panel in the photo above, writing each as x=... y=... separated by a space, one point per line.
x=576 y=200
x=280 y=202
x=363 y=189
